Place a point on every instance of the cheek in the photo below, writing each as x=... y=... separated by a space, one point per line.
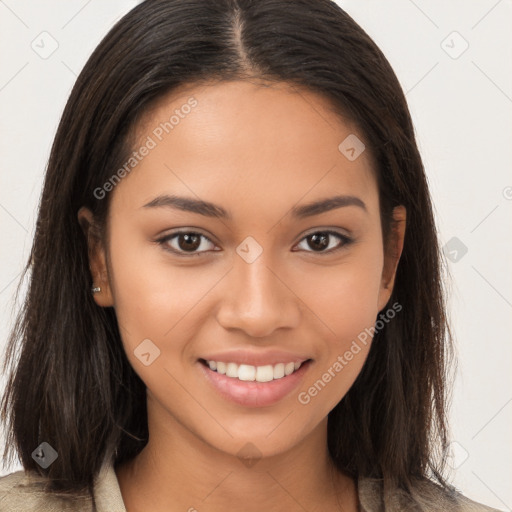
x=140 y=290
x=155 y=299
x=345 y=299
x=345 y=296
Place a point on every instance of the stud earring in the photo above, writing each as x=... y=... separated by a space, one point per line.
x=95 y=289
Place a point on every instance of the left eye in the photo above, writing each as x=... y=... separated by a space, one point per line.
x=188 y=243
x=319 y=240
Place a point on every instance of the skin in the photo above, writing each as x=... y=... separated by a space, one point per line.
x=257 y=152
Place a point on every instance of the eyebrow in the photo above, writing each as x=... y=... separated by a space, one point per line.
x=212 y=210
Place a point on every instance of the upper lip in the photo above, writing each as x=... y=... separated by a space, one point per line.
x=262 y=358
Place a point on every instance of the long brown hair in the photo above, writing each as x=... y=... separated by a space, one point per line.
x=73 y=386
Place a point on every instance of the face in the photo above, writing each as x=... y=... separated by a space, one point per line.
x=257 y=276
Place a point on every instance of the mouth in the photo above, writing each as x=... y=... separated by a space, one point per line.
x=254 y=386
x=251 y=373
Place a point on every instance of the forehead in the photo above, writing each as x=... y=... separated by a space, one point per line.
x=248 y=142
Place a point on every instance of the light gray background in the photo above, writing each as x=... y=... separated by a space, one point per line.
x=461 y=104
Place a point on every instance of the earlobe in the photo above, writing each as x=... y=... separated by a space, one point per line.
x=100 y=288
x=392 y=254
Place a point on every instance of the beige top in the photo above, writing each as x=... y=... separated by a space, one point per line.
x=22 y=491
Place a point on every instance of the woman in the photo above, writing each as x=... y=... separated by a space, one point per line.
x=236 y=299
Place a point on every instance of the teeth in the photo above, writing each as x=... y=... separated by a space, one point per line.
x=247 y=372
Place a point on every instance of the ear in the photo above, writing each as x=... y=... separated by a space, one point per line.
x=392 y=253
x=97 y=258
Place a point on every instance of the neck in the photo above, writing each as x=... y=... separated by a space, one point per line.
x=178 y=471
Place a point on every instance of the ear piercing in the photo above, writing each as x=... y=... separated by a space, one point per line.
x=95 y=289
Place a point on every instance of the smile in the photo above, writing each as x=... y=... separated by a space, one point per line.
x=227 y=379
x=247 y=372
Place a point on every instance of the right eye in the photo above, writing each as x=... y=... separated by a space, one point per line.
x=184 y=243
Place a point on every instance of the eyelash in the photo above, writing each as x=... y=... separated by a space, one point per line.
x=163 y=242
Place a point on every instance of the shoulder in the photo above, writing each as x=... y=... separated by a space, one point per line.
x=426 y=496
x=24 y=491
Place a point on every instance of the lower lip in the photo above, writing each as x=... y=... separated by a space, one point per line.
x=252 y=393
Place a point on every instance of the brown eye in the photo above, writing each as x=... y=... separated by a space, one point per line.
x=185 y=242
x=318 y=241
x=188 y=242
x=322 y=240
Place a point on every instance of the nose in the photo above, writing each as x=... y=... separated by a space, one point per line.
x=257 y=299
